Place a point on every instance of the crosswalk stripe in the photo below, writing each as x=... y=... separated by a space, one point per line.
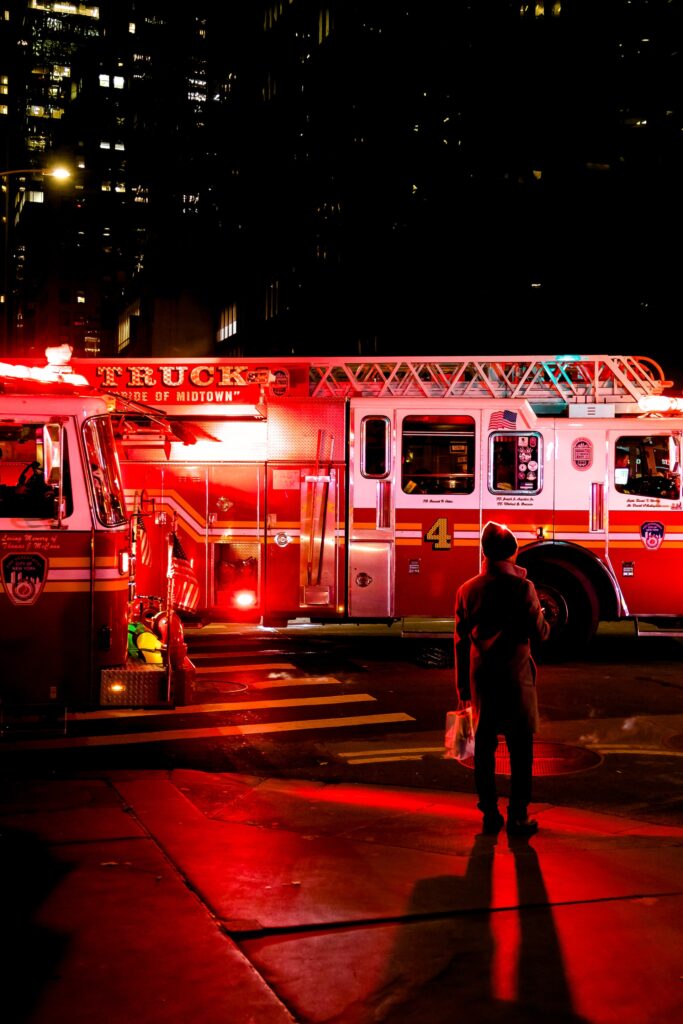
x=226 y=652
x=267 y=684
x=211 y=732
x=378 y=755
x=383 y=760
x=241 y=705
x=245 y=667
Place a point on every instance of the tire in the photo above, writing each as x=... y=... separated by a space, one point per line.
x=570 y=605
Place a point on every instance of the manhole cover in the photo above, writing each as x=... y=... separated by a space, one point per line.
x=549 y=759
x=674 y=742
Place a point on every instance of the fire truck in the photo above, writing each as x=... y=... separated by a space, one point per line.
x=352 y=491
x=65 y=552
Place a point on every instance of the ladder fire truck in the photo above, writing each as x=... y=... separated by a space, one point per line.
x=337 y=490
x=65 y=552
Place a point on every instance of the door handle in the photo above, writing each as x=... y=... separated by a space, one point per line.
x=383 y=504
x=597 y=509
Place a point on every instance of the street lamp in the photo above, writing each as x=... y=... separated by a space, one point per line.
x=59 y=173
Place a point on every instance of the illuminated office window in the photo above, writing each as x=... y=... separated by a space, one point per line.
x=228 y=322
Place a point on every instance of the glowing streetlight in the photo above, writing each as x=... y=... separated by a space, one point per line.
x=58 y=171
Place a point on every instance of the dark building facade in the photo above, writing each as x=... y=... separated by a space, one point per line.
x=455 y=177
x=365 y=178
x=117 y=256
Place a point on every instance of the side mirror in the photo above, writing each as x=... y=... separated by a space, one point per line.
x=52 y=454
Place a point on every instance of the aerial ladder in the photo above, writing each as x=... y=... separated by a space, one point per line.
x=568 y=380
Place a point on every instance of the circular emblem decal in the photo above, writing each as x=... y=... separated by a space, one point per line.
x=582 y=453
x=23 y=577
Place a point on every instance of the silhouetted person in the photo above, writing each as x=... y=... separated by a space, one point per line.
x=35 y=497
x=497 y=615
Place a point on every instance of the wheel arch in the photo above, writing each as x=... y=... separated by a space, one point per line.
x=565 y=553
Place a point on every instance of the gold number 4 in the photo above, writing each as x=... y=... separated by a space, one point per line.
x=438 y=535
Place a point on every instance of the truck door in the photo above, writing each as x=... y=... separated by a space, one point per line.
x=305 y=537
x=218 y=511
x=234 y=540
x=644 y=483
x=415 y=513
x=64 y=557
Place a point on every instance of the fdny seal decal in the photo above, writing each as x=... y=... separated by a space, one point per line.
x=23 y=577
x=652 y=535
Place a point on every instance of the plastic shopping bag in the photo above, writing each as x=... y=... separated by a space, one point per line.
x=459 y=734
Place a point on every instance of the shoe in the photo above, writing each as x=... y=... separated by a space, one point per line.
x=493 y=822
x=522 y=826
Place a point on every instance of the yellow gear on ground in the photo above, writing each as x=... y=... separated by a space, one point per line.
x=150 y=645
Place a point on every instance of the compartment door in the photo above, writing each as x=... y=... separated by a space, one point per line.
x=645 y=530
x=305 y=540
x=235 y=540
x=371 y=512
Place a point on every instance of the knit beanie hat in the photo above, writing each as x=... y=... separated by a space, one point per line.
x=497 y=542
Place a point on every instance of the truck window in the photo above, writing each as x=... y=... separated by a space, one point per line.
x=648 y=465
x=437 y=455
x=515 y=463
x=375 y=438
x=104 y=472
x=24 y=492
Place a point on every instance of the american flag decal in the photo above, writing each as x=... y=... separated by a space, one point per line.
x=185 y=593
x=503 y=420
x=142 y=540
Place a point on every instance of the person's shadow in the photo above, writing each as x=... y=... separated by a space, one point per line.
x=446 y=965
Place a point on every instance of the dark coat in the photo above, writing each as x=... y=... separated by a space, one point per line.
x=497 y=615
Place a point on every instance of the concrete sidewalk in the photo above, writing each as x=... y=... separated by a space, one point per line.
x=169 y=898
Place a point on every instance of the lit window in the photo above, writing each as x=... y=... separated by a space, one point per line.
x=119 y=145
x=228 y=324
x=437 y=455
x=515 y=463
x=119 y=82
x=131 y=27
x=272 y=300
x=91 y=343
x=375 y=446
x=3 y=108
x=648 y=466
x=35 y=196
x=323 y=24
x=128 y=326
x=105 y=145
x=104 y=81
x=106 y=186
x=120 y=186
x=4 y=85
x=80 y=297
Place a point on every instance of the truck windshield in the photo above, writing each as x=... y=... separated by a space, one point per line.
x=24 y=491
x=104 y=471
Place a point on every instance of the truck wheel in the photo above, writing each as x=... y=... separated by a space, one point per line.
x=570 y=605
